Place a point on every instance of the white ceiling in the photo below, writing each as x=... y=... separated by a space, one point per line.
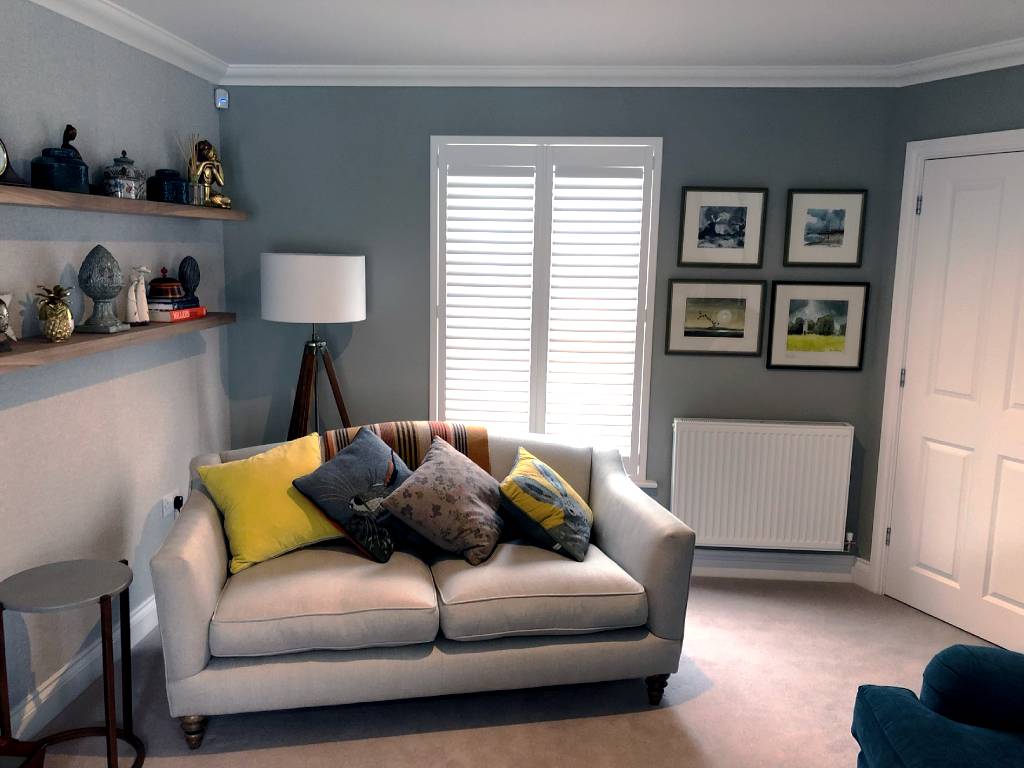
x=630 y=40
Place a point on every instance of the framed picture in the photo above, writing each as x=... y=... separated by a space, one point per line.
x=818 y=326
x=825 y=227
x=722 y=227
x=715 y=317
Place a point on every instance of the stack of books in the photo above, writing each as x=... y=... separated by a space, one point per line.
x=175 y=310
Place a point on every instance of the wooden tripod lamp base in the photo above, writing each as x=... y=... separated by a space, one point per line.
x=306 y=396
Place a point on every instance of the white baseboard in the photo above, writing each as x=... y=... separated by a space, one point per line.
x=776 y=566
x=864 y=576
x=49 y=698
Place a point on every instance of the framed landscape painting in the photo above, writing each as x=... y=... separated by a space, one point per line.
x=715 y=317
x=818 y=326
x=825 y=228
x=722 y=227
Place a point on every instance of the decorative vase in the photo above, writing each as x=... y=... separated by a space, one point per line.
x=58 y=324
x=100 y=279
x=123 y=179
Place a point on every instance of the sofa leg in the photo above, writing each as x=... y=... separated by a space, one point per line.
x=194 y=727
x=656 y=685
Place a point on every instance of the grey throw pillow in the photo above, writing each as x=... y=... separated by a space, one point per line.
x=349 y=489
x=451 y=502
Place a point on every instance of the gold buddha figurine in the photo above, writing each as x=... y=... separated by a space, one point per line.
x=208 y=172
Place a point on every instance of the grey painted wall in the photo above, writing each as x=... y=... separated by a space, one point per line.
x=347 y=170
x=89 y=447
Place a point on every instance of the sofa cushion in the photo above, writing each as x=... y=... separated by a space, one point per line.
x=264 y=515
x=538 y=501
x=451 y=502
x=328 y=598
x=523 y=590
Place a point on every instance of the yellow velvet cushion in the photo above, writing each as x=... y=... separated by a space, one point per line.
x=542 y=504
x=264 y=515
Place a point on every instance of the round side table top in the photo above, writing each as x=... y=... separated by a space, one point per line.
x=59 y=586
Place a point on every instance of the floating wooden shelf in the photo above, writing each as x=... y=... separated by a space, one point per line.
x=36 y=351
x=69 y=201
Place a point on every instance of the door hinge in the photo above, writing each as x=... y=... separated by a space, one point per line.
x=917 y=210
x=903 y=377
x=888 y=536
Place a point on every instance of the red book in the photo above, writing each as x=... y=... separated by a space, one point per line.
x=176 y=315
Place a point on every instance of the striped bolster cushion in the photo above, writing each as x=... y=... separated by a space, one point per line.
x=411 y=439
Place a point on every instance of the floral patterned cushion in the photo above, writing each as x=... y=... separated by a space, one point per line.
x=451 y=502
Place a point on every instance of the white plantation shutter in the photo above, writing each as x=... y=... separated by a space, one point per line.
x=597 y=223
x=487 y=287
x=541 y=288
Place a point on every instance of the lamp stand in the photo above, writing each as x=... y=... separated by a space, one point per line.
x=306 y=395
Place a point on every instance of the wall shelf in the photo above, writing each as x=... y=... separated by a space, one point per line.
x=35 y=351
x=69 y=201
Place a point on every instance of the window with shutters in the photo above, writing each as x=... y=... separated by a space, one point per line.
x=542 y=267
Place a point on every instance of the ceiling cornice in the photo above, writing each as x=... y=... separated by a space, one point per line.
x=129 y=28
x=115 y=21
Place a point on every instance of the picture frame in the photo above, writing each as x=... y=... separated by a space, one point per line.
x=825 y=227
x=715 y=317
x=838 y=311
x=722 y=227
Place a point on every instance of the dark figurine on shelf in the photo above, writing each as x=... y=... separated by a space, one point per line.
x=61 y=168
x=70 y=134
x=188 y=274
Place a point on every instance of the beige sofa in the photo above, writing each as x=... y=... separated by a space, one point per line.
x=325 y=626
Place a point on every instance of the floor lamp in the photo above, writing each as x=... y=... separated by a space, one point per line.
x=315 y=289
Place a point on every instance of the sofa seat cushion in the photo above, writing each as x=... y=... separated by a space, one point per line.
x=328 y=598
x=524 y=590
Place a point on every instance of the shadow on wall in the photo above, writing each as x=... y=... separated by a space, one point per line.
x=34 y=384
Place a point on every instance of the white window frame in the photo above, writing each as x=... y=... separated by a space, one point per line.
x=637 y=465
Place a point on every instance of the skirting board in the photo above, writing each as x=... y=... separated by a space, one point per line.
x=49 y=698
x=777 y=566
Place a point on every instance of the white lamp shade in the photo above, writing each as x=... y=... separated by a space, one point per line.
x=312 y=288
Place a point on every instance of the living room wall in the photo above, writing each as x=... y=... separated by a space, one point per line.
x=88 y=447
x=347 y=170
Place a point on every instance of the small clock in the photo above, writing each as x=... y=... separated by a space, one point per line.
x=7 y=174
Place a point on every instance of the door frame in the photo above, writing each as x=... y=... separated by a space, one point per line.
x=870 y=574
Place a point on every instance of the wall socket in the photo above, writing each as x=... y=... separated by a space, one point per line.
x=172 y=505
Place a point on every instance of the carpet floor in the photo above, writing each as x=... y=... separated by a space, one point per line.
x=767 y=678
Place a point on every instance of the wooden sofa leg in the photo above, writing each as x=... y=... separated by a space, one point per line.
x=194 y=727
x=656 y=685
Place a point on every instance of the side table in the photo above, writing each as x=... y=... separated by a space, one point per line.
x=58 y=587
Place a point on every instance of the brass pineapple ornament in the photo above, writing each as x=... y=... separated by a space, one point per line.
x=55 y=312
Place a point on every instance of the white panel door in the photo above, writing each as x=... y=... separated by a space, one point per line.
x=957 y=539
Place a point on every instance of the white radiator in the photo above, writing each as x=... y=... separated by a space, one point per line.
x=762 y=484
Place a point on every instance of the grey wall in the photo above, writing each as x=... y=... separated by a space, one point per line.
x=89 y=447
x=347 y=170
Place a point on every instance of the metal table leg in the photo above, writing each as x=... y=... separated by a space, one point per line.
x=127 y=717
x=5 y=700
x=109 y=697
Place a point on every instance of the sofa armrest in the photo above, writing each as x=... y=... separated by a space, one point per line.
x=189 y=572
x=648 y=541
x=976 y=685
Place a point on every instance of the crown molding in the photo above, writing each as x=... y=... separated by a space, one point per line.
x=555 y=76
x=123 y=25
x=969 y=61
x=131 y=29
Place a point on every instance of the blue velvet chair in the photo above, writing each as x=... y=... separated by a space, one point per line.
x=970 y=714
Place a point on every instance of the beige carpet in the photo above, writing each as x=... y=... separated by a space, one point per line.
x=768 y=678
